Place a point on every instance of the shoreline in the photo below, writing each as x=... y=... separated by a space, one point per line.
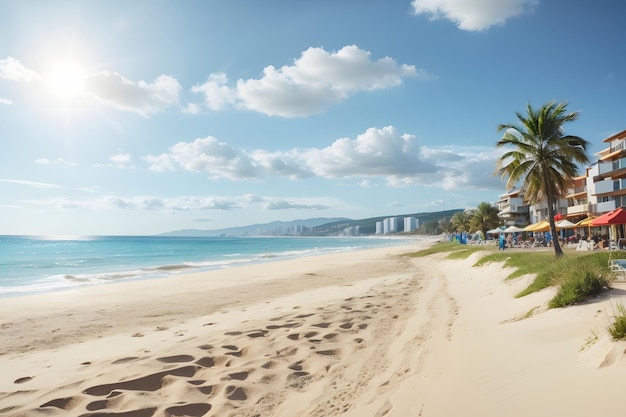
x=135 y=268
x=352 y=334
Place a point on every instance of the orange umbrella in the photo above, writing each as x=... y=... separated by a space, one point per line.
x=617 y=216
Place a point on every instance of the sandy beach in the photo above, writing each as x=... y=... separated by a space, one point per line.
x=367 y=333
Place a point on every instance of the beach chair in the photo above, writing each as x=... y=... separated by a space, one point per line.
x=618 y=267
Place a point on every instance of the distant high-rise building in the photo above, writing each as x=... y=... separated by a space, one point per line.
x=410 y=224
x=390 y=225
x=379 y=228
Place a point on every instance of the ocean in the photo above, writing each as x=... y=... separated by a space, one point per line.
x=35 y=264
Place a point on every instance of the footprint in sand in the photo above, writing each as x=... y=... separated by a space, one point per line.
x=234 y=351
x=97 y=405
x=206 y=362
x=23 y=379
x=191 y=410
x=330 y=352
x=176 y=359
x=239 y=376
x=124 y=360
x=206 y=390
x=285 y=326
x=150 y=383
x=234 y=393
x=61 y=403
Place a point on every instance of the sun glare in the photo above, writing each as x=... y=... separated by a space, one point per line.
x=65 y=80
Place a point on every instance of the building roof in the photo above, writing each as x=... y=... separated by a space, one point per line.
x=611 y=155
x=620 y=135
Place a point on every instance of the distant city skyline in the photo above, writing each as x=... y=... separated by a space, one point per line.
x=142 y=117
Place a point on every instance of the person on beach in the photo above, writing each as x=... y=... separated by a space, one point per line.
x=502 y=241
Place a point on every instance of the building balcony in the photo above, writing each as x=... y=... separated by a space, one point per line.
x=603 y=187
x=577 y=192
x=512 y=210
x=604 y=207
x=579 y=209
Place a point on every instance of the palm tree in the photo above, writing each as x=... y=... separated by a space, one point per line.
x=485 y=217
x=543 y=158
x=460 y=222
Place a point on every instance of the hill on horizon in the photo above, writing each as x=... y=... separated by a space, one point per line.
x=256 y=229
x=319 y=226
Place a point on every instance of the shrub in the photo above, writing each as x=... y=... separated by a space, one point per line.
x=617 y=329
x=577 y=287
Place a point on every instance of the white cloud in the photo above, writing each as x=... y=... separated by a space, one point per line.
x=122 y=160
x=12 y=69
x=30 y=183
x=58 y=161
x=315 y=81
x=217 y=94
x=138 y=97
x=6 y=101
x=110 y=88
x=295 y=204
x=206 y=155
x=377 y=152
x=381 y=153
x=187 y=203
x=474 y=15
x=192 y=108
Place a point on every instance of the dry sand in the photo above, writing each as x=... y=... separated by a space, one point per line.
x=365 y=333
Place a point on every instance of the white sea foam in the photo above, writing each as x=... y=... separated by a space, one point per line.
x=31 y=265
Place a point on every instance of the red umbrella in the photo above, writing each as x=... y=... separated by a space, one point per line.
x=617 y=216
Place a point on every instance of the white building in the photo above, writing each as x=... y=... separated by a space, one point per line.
x=410 y=224
x=390 y=225
x=379 y=228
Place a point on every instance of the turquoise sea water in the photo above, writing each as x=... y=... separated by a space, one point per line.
x=31 y=264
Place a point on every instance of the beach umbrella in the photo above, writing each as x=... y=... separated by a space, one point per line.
x=612 y=218
x=586 y=223
x=542 y=226
x=565 y=224
x=513 y=229
x=530 y=227
x=617 y=216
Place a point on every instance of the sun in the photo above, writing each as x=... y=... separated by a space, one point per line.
x=65 y=80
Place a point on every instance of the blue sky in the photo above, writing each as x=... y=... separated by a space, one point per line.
x=141 y=117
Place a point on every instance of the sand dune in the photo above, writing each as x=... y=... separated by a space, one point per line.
x=355 y=334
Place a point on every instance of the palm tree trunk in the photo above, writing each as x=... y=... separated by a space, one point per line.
x=555 y=238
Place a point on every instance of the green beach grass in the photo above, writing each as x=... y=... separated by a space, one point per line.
x=578 y=275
